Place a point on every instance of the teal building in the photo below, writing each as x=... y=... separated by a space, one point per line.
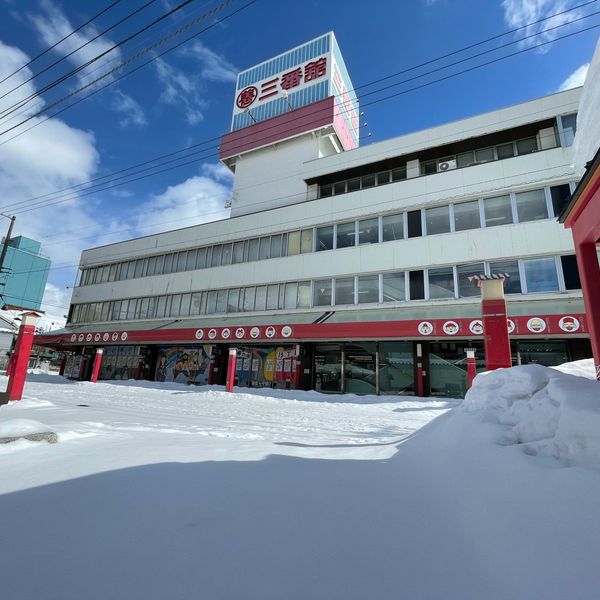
x=24 y=274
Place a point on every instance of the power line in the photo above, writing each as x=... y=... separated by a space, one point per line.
x=368 y=84
x=120 y=66
x=116 y=80
x=89 y=62
x=66 y=37
x=67 y=75
x=105 y=186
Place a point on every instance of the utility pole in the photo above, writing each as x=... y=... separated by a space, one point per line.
x=5 y=247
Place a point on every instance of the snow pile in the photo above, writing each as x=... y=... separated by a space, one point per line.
x=581 y=368
x=552 y=413
x=21 y=427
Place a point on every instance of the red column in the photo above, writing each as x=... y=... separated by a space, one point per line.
x=231 y=369
x=589 y=272
x=97 y=364
x=63 y=364
x=495 y=335
x=22 y=352
x=11 y=362
x=471 y=366
x=420 y=387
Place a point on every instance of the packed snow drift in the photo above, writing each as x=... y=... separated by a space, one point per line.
x=159 y=491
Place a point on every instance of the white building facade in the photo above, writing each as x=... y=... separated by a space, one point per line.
x=341 y=268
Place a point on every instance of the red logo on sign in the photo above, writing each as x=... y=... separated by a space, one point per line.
x=246 y=97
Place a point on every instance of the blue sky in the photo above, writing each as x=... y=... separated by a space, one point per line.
x=186 y=97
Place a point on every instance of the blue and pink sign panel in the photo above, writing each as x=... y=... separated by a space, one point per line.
x=304 y=76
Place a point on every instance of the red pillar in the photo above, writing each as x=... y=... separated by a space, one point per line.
x=97 y=364
x=22 y=352
x=589 y=272
x=420 y=386
x=63 y=364
x=11 y=362
x=231 y=369
x=495 y=325
x=471 y=366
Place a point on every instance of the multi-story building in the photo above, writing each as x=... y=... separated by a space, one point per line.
x=342 y=267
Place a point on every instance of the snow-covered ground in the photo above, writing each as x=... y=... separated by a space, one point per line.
x=162 y=491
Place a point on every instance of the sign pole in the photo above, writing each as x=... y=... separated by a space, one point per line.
x=97 y=364
x=231 y=369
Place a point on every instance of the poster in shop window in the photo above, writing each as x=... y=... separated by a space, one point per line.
x=258 y=366
x=183 y=364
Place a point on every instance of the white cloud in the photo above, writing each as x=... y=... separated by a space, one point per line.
x=52 y=25
x=180 y=89
x=214 y=66
x=517 y=13
x=132 y=113
x=575 y=79
x=199 y=199
x=44 y=159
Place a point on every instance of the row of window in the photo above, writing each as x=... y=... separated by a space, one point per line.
x=546 y=274
x=519 y=207
x=566 y=131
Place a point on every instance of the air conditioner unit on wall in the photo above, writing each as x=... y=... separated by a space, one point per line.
x=446 y=165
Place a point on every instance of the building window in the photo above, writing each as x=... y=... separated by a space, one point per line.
x=325 y=238
x=226 y=254
x=304 y=294
x=201 y=258
x=322 y=292
x=569 y=128
x=441 y=283
x=264 y=251
x=512 y=285
x=505 y=151
x=368 y=289
x=540 y=275
x=217 y=251
x=465 y=159
x=415 y=228
x=394 y=287
x=417 y=285
x=276 y=246
x=437 y=219
x=399 y=174
x=368 y=231
x=346 y=234
x=344 y=290
x=306 y=241
x=393 y=227
x=233 y=300
x=531 y=206
x=498 y=211
x=339 y=188
x=253 y=249
x=291 y=295
x=238 y=252
x=367 y=181
x=272 y=297
x=429 y=167
x=561 y=194
x=261 y=297
x=383 y=177
x=466 y=287
x=326 y=190
x=527 y=146
x=570 y=272
x=354 y=184
x=467 y=216
x=293 y=243
x=249 y=299
x=484 y=155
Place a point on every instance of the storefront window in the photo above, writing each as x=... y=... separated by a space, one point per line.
x=396 y=371
x=328 y=367
x=448 y=367
x=548 y=354
x=360 y=368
